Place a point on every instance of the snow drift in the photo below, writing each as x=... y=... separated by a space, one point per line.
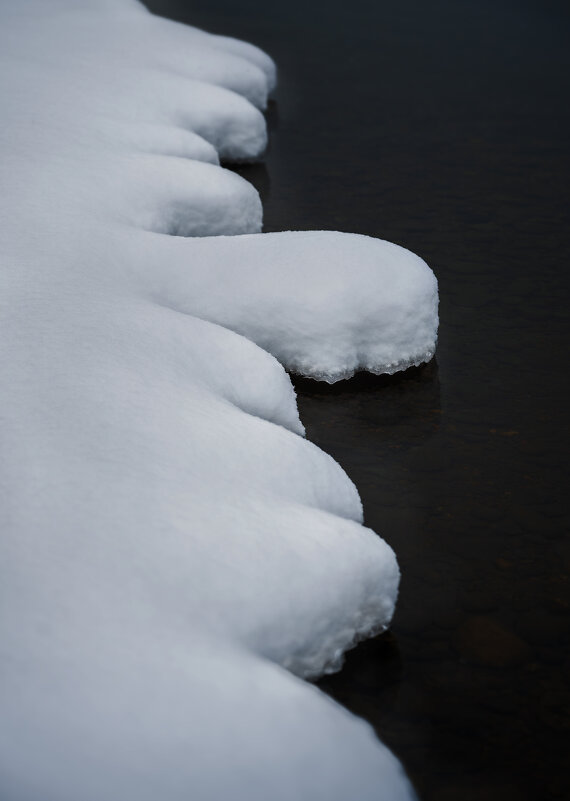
x=173 y=549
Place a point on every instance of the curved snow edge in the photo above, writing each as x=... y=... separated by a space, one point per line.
x=376 y=369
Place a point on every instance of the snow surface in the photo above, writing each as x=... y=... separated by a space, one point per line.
x=173 y=549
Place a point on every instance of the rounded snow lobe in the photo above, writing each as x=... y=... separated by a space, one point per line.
x=356 y=618
x=326 y=304
x=203 y=200
x=378 y=311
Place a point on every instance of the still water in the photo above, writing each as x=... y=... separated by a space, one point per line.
x=443 y=126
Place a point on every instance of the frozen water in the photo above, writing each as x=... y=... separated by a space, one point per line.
x=172 y=545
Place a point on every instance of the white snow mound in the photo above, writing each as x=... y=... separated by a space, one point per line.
x=172 y=547
x=338 y=303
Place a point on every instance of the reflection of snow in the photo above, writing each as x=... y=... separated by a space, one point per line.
x=172 y=541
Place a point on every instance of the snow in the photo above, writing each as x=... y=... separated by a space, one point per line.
x=173 y=548
x=337 y=302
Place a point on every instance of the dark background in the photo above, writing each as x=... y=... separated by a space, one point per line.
x=443 y=126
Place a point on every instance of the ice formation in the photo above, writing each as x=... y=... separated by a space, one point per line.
x=173 y=549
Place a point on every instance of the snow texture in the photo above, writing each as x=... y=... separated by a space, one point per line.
x=173 y=549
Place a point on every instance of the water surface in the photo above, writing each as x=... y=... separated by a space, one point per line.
x=443 y=126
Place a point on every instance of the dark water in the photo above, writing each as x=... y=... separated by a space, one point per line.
x=444 y=126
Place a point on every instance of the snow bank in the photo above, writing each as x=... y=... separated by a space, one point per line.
x=172 y=546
